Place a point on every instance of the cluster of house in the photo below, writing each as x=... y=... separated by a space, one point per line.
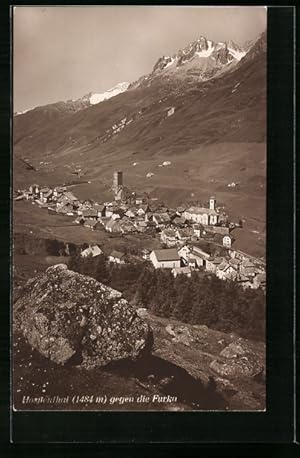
x=236 y=266
x=115 y=256
x=247 y=271
x=178 y=229
x=176 y=226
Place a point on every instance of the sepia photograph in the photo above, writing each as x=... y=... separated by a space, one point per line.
x=139 y=208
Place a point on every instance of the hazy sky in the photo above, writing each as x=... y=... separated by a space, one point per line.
x=63 y=53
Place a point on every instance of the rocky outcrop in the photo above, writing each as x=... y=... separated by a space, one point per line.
x=162 y=63
x=67 y=316
x=224 y=363
x=222 y=55
x=238 y=360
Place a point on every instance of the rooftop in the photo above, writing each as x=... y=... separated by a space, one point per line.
x=168 y=254
x=117 y=254
x=218 y=260
x=89 y=212
x=92 y=250
x=201 y=210
x=70 y=196
x=261 y=277
x=169 y=232
x=224 y=265
x=182 y=270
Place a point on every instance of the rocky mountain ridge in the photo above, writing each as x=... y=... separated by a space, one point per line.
x=74 y=105
x=237 y=89
x=202 y=58
x=206 y=57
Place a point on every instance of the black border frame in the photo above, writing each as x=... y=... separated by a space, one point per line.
x=277 y=425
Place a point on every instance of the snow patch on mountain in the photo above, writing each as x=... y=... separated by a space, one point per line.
x=170 y=63
x=206 y=52
x=118 y=89
x=22 y=112
x=238 y=55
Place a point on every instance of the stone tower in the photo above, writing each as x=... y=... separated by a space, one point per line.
x=117 y=180
x=212 y=203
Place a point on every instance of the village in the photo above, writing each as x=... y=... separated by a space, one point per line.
x=179 y=230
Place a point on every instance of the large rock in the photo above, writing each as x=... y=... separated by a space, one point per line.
x=64 y=314
x=239 y=359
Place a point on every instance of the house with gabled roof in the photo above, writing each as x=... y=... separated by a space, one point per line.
x=127 y=226
x=90 y=213
x=142 y=209
x=235 y=263
x=110 y=224
x=168 y=236
x=92 y=250
x=118 y=213
x=141 y=198
x=244 y=281
x=131 y=212
x=70 y=196
x=146 y=254
x=184 y=252
x=58 y=190
x=110 y=209
x=140 y=225
x=179 y=221
x=184 y=234
x=198 y=229
x=212 y=263
x=247 y=268
x=199 y=258
x=161 y=219
x=200 y=251
x=180 y=210
x=259 y=280
x=227 y=240
x=104 y=220
x=225 y=271
x=65 y=209
x=167 y=258
x=186 y=270
x=90 y=223
x=34 y=189
x=117 y=257
x=192 y=262
x=100 y=208
x=88 y=203
x=117 y=226
x=45 y=194
x=61 y=200
x=79 y=220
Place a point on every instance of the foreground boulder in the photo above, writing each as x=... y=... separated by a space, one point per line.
x=66 y=315
x=239 y=359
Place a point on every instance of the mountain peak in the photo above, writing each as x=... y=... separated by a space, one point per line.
x=201 y=59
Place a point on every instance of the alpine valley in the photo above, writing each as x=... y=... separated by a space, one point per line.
x=194 y=127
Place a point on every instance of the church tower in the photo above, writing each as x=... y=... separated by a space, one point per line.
x=117 y=180
x=212 y=203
